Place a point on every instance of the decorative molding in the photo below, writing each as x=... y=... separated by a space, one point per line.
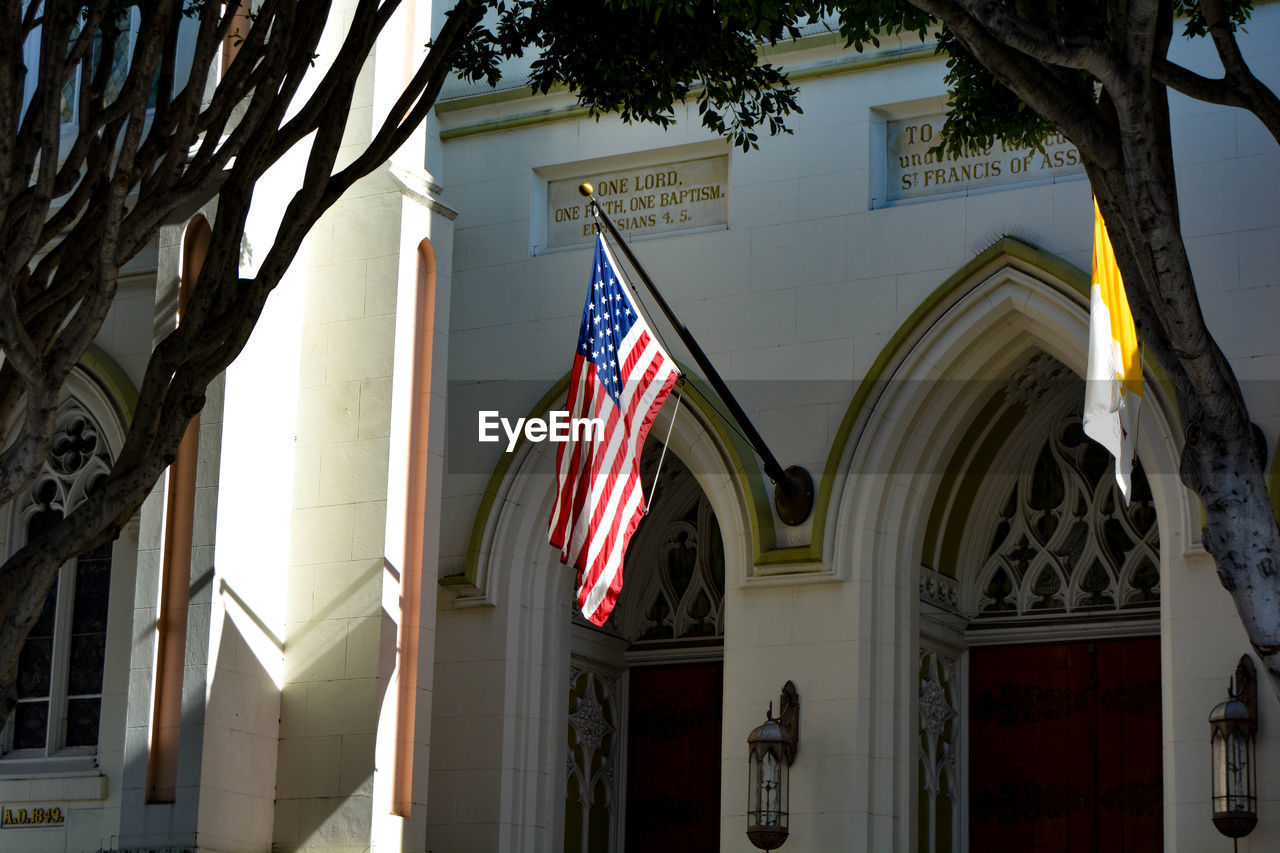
x=939 y=727
x=419 y=187
x=934 y=710
x=938 y=589
x=570 y=109
x=1007 y=261
x=1062 y=629
x=112 y=380
x=67 y=785
x=1064 y=542
x=708 y=651
x=800 y=570
x=592 y=761
x=79 y=458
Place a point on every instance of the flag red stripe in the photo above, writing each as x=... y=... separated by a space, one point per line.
x=569 y=456
x=584 y=484
x=603 y=475
x=582 y=393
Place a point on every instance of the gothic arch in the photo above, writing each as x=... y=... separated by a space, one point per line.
x=97 y=402
x=67 y=695
x=514 y=587
x=646 y=688
x=933 y=381
x=907 y=424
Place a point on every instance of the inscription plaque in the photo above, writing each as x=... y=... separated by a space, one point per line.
x=12 y=817
x=654 y=199
x=916 y=171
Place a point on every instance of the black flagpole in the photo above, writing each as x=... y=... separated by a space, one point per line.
x=793 y=487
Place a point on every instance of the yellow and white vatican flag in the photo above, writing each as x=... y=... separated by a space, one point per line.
x=1113 y=380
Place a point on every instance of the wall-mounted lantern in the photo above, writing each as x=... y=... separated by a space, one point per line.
x=1232 y=726
x=770 y=750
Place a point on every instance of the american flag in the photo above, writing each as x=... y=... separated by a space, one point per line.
x=622 y=376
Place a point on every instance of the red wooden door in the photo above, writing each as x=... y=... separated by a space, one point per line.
x=1130 y=784
x=673 y=759
x=1065 y=748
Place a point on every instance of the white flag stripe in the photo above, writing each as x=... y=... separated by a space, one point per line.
x=605 y=569
x=618 y=487
x=604 y=563
x=599 y=511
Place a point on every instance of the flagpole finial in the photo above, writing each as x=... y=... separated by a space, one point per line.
x=586 y=189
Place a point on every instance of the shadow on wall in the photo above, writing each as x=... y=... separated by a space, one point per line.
x=338 y=667
x=262 y=766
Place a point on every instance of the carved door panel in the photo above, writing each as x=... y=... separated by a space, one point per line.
x=1065 y=748
x=673 y=764
x=1130 y=787
x=1030 y=782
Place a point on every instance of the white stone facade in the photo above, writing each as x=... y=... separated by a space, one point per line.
x=867 y=327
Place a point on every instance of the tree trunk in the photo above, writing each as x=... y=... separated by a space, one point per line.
x=1223 y=460
x=1126 y=145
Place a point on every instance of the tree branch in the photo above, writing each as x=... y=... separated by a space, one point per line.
x=1028 y=78
x=1193 y=85
x=1257 y=97
x=1037 y=42
x=411 y=108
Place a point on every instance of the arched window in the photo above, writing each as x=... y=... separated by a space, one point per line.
x=60 y=667
x=1065 y=542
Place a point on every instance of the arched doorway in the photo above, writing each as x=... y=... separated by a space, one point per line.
x=505 y=640
x=909 y=483
x=645 y=702
x=1039 y=692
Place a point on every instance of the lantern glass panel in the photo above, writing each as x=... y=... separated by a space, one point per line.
x=753 y=786
x=1219 y=772
x=1239 y=773
x=775 y=781
x=1250 y=746
x=767 y=791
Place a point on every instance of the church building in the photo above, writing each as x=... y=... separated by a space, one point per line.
x=337 y=623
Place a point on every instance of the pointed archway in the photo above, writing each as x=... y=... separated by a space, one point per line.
x=1052 y=635
x=646 y=688
x=506 y=640
x=904 y=478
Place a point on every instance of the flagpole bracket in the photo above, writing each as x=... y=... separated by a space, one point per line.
x=793 y=497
